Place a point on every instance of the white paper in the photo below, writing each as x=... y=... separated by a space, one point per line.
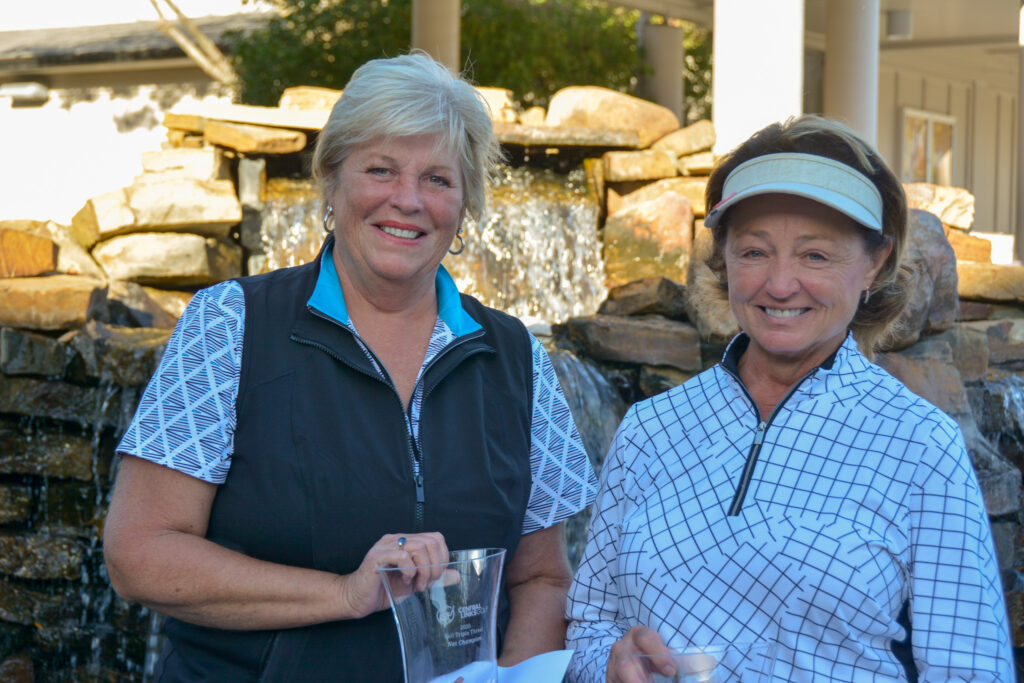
x=544 y=668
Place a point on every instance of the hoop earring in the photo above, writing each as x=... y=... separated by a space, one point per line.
x=867 y=295
x=462 y=243
x=328 y=214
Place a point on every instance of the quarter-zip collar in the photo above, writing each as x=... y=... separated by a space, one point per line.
x=328 y=299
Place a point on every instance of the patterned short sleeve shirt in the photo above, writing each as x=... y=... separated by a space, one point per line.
x=186 y=417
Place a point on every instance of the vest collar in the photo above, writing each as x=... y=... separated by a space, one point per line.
x=329 y=300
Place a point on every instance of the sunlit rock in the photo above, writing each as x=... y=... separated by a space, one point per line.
x=35 y=450
x=691 y=188
x=308 y=97
x=169 y=259
x=967 y=247
x=696 y=137
x=933 y=293
x=200 y=164
x=124 y=356
x=533 y=116
x=649 y=239
x=72 y=258
x=699 y=164
x=953 y=205
x=104 y=214
x=638 y=165
x=53 y=302
x=990 y=281
x=24 y=255
x=591 y=106
x=650 y=340
x=647 y=296
x=500 y=104
x=39 y=557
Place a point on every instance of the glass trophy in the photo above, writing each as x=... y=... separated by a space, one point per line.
x=448 y=630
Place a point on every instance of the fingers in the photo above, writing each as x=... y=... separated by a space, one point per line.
x=623 y=667
x=420 y=557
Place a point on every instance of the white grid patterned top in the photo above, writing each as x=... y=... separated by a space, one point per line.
x=186 y=417
x=863 y=500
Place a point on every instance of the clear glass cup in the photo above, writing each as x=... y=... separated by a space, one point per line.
x=739 y=662
x=448 y=630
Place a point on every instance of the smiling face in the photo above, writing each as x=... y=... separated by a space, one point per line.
x=397 y=206
x=796 y=271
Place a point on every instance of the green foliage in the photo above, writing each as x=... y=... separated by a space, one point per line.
x=697 y=73
x=532 y=47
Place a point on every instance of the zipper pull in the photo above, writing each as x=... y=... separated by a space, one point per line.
x=759 y=434
x=420 y=497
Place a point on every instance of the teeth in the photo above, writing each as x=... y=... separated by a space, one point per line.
x=784 y=312
x=398 y=232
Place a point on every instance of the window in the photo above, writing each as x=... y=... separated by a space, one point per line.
x=927 y=147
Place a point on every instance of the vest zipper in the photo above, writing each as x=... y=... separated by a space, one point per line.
x=755 y=448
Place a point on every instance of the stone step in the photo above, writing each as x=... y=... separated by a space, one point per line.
x=169 y=259
x=52 y=302
x=250 y=139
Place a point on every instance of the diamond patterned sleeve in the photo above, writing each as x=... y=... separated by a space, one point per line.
x=563 y=482
x=958 y=617
x=186 y=417
x=596 y=621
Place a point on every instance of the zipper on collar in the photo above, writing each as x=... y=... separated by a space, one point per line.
x=755 y=448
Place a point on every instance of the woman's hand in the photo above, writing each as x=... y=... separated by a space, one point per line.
x=639 y=640
x=363 y=591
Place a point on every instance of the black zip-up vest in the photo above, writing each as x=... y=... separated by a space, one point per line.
x=322 y=468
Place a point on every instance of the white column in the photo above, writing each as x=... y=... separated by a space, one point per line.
x=435 y=29
x=1018 y=238
x=663 y=53
x=851 y=64
x=758 y=70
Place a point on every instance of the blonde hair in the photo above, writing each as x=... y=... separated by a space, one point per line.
x=410 y=95
x=873 y=323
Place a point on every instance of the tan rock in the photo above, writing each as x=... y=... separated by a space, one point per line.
x=146 y=306
x=691 y=188
x=933 y=299
x=207 y=207
x=533 y=116
x=595 y=107
x=250 y=139
x=696 y=137
x=1004 y=339
x=638 y=165
x=967 y=247
x=652 y=239
x=184 y=123
x=193 y=116
x=104 y=214
x=990 y=281
x=53 y=302
x=564 y=136
x=202 y=164
x=169 y=259
x=707 y=303
x=953 y=205
x=72 y=258
x=651 y=340
x=500 y=104
x=24 y=255
x=647 y=296
x=699 y=164
x=309 y=97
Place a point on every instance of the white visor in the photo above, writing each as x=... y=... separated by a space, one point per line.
x=824 y=180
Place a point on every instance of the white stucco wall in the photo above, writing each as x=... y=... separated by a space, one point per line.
x=82 y=142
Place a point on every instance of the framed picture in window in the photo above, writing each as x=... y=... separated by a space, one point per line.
x=927 y=147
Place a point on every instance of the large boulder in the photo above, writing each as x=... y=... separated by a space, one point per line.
x=648 y=340
x=933 y=291
x=691 y=188
x=591 y=106
x=638 y=165
x=53 y=302
x=696 y=137
x=24 y=255
x=649 y=239
x=72 y=257
x=953 y=205
x=990 y=281
x=169 y=259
